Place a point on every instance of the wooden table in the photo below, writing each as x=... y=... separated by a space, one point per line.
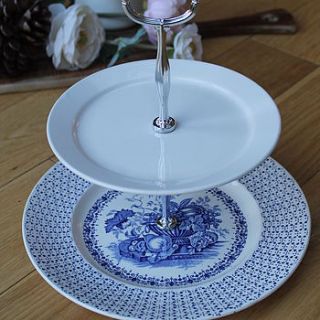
x=286 y=66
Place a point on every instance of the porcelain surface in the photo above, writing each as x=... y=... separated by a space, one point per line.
x=100 y=248
x=101 y=128
x=119 y=235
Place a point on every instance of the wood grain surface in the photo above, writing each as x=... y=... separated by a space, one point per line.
x=286 y=66
x=304 y=44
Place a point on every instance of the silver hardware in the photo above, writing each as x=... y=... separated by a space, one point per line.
x=170 y=223
x=168 y=22
x=166 y=221
x=270 y=17
x=164 y=126
x=164 y=123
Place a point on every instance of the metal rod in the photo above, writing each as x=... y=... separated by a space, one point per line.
x=163 y=123
x=167 y=221
x=163 y=74
x=165 y=211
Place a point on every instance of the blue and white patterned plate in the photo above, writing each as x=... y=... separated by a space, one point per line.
x=232 y=246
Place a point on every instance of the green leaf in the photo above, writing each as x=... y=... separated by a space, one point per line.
x=124 y=44
x=170 y=53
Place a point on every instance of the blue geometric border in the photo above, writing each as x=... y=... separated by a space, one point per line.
x=48 y=239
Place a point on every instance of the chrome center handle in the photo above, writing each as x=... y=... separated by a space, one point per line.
x=164 y=123
x=168 y=22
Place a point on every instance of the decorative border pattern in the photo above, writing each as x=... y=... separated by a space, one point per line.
x=49 y=243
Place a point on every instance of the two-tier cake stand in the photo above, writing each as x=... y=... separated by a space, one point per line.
x=144 y=217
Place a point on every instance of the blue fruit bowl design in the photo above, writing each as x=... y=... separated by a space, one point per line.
x=196 y=233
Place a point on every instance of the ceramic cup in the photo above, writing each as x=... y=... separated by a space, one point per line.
x=111 y=7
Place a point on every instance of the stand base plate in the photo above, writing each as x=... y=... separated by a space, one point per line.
x=101 y=249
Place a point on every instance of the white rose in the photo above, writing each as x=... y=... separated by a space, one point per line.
x=75 y=38
x=187 y=43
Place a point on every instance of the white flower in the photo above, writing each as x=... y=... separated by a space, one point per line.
x=75 y=38
x=187 y=43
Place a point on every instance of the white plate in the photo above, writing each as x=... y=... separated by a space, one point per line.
x=101 y=128
x=100 y=248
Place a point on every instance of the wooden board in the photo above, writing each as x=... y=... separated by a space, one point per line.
x=304 y=44
x=46 y=77
x=290 y=74
x=12 y=251
x=252 y=20
x=272 y=69
x=23 y=132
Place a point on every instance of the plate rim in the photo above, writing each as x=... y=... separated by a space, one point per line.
x=116 y=316
x=155 y=190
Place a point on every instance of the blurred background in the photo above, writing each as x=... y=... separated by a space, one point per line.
x=34 y=55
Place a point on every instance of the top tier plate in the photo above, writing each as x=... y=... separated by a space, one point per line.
x=101 y=128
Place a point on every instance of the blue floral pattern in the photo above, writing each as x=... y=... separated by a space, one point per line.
x=284 y=239
x=196 y=230
x=196 y=239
